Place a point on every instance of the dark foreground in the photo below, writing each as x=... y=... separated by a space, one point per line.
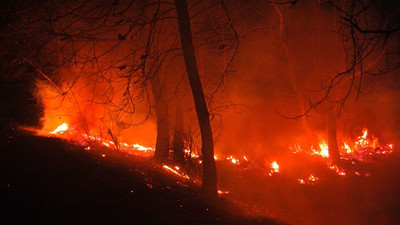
x=49 y=181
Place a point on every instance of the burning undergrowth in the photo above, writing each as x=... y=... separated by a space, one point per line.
x=278 y=186
x=363 y=150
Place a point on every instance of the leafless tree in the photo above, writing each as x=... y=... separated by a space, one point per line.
x=369 y=33
x=124 y=47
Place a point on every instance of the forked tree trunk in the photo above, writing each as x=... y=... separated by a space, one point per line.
x=334 y=153
x=209 y=181
x=161 y=106
x=177 y=142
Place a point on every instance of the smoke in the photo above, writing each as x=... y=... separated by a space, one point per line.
x=284 y=57
x=279 y=70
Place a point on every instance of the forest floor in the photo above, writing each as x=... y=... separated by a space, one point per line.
x=51 y=181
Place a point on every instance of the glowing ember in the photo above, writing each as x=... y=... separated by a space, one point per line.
x=339 y=171
x=233 y=159
x=60 y=129
x=296 y=148
x=175 y=171
x=223 y=192
x=142 y=148
x=365 y=133
x=312 y=179
x=347 y=148
x=106 y=144
x=274 y=168
x=191 y=154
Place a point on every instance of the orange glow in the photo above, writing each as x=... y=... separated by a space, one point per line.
x=285 y=65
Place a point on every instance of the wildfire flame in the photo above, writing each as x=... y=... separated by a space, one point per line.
x=365 y=148
x=360 y=150
x=323 y=149
x=175 y=171
x=347 y=148
x=339 y=171
x=311 y=180
x=141 y=148
x=233 y=159
x=60 y=129
x=274 y=168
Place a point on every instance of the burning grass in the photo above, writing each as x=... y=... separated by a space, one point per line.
x=364 y=149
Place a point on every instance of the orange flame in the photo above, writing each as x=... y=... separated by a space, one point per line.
x=60 y=129
x=323 y=149
x=176 y=171
x=274 y=168
x=312 y=179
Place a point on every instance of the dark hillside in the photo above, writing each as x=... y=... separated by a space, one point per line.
x=50 y=181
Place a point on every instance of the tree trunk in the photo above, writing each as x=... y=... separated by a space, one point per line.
x=334 y=153
x=177 y=142
x=161 y=106
x=209 y=182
